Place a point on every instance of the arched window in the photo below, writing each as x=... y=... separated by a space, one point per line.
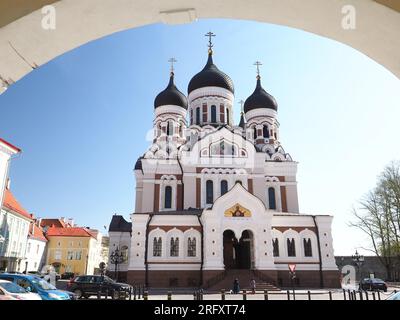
x=213 y=114
x=168 y=197
x=124 y=253
x=191 y=247
x=239 y=181
x=291 y=248
x=170 y=128
x=157 y=247
x=198 y=116
x=307 y=247
x=224 y=187
x=275 y=245
x=254 y=133
x=209 y=192
x=271 y=198
x=227 y=116
x=174 y=250
x=265 y=132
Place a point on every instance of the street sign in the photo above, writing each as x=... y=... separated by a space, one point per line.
x=292 y=267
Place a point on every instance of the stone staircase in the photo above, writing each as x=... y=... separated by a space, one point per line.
x=244 y=276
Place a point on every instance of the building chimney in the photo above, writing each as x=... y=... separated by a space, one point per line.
x=8 y=184
x=71 y=222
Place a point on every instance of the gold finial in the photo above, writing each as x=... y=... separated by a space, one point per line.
x=172 y=61
x=210 y=44
x=258 y=64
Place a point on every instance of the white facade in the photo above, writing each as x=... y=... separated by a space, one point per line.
x=213 y=197
x=15 y=229
x=6 y=152
x=35 y=250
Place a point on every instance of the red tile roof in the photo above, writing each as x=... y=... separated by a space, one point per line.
x=11 y=203
x=58 y=223
x=36 y=232
x=69 y=232
x=16 y=149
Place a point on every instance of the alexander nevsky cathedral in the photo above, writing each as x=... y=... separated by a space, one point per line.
x=217 y=200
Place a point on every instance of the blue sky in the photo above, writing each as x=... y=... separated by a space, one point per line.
x=82 y=119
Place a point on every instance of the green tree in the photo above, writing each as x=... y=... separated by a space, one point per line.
x=378 y=216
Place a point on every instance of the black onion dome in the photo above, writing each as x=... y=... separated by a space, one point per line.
x=171 y=96
x=260 y=99
x=211 y=76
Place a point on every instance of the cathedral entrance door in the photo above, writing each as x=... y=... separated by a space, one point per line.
x=244 y=251
x=230 y=244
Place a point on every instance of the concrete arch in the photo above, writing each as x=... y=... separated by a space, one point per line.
x=25 y=45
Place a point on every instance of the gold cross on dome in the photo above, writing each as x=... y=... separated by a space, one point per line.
x=172 y=61
x=258 y=64
x=210 y=35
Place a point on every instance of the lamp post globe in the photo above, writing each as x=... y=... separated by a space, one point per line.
x=359 y=261
x=116 y=258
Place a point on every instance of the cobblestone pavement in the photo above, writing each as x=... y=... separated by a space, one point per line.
x=337 y=294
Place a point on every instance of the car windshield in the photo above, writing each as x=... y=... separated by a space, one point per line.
x=12 y=287
x=44 y=285
x=108 y=279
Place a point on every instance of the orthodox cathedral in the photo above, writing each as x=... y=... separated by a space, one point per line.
x=217 y=200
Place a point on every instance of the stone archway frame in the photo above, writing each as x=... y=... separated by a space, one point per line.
x=25 y=45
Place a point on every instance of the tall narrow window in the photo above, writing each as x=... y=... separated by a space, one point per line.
x=209 y=192
x=213 y=114
x=275 y=245
x=170 y=128
x=254 y=133
x=191 y=247
x=307 y=247
x=157 y=247
x=168 y=197
x=265 y=132
x=174 y=250
x=291 y=248
x=224 y=187
x=271 y=198
x=227 y=116
x=198 y=116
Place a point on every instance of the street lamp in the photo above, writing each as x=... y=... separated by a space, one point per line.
x=116 y=258
x=359 y=261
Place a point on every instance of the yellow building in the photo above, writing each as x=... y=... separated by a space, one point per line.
x=72 y=249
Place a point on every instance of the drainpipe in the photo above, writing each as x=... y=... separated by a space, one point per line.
x=321 y=275
x=202 y=249
x=183 y=186
x=146 y=250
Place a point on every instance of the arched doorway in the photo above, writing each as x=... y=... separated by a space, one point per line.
x=245 y=250
x=238 y=254
x=229 y=242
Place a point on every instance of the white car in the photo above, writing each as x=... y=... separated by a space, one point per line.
x=8 y=288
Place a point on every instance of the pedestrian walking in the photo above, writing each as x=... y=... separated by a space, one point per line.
x=236 y=286
x=253 y=286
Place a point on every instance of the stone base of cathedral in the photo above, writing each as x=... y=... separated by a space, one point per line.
x=212 y=278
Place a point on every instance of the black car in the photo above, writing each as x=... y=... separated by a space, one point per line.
x=67 y=275
x=373 y=284
x=87 y=285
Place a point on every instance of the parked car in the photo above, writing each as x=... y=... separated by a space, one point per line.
x=373 y=284
x=67 y=275
x=11 y=289
x=85 y=286
x=394 y=296
x=37 y=285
